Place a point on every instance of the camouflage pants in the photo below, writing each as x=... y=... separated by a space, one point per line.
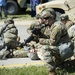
x=51 y=57
x=11 y=45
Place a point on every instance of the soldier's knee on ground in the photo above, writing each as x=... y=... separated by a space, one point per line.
x=44 y=53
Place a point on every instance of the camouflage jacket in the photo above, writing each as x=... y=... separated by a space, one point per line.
x=69 y=24
x=71 y=32
x=56 y=34
x=10 y=34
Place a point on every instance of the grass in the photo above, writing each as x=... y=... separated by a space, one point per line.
x=26 y=15
x=23 y=15
x=33 y=70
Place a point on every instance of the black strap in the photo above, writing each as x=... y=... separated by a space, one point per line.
x=3 y=29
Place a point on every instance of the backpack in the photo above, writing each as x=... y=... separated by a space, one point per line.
x=65 y=50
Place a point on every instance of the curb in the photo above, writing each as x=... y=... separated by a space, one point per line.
x=40 y=63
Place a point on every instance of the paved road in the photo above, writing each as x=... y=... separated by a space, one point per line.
x=18 y=62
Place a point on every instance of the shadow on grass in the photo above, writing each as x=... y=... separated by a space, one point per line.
x=24 y=13
x=68 y=68
x=20 y=14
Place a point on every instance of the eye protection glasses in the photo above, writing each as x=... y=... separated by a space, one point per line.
x=46 y=18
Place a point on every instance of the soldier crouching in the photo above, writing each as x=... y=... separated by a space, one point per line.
x=10 y=33
x=51 y=48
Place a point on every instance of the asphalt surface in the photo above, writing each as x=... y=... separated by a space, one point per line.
x=22 y=26
x=19 y=62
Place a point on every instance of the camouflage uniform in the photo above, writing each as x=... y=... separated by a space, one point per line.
x=33 y=25
x=49 y=47
x=36 y=24
x=71 y=32
x=10 y=33
x=69 y=23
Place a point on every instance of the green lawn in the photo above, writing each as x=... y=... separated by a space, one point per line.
x=33 y=70
x=26 y=15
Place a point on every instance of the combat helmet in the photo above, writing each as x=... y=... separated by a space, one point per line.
x=64 y=17
x=51 y=11
x=9 y=21
x=38 y=15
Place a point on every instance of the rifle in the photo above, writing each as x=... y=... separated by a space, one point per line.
x=36 y=31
